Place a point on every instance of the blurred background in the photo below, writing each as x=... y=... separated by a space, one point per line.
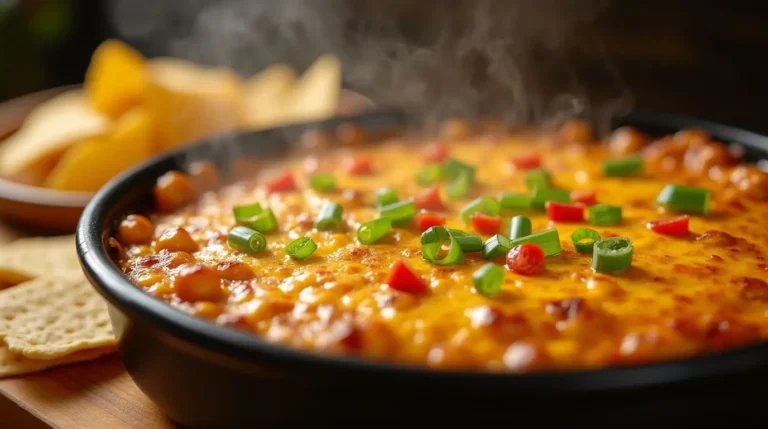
x=699 y=58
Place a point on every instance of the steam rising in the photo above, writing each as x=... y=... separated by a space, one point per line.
x=518 y=60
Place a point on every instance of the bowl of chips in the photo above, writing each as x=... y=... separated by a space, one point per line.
x=58 y=147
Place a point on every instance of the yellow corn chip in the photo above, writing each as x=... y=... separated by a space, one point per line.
x=263 y=94
x=12 y=364
x=316 y=95
x=54 y=316
x=116 y=78
x=28 y=258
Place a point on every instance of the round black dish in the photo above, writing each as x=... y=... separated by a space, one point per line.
x=203 y=375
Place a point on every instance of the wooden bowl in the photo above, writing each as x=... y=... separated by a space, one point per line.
x=45 y=211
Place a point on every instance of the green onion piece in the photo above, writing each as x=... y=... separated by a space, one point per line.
x=548 y=240
x=264 y=221
x=452 y=169
x=460 y=186
x=246 y=240
x=301 y=248
x=488 y=279
x=612 y=255
x=322 y=182
x=469 y=243
x=329 y=217
x=245 y=213
x=386 y=196
x=496 y=246
x=429 y=175
x=684 y=199
x=542 y=195
x=371 y=232
x=604 y=214
x=538 y=178
x=584 y=239
x=624 y=166
x=487 y=205
x=433 y=247
x=510 y=201
x=520 y=227
x=401 y=211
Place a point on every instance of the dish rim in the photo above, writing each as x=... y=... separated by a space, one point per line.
x=119 y=291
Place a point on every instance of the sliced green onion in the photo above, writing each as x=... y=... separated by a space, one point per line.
x=264 y=221
x=542 y=195
x=488 y=279
x=433 y=247
x=244 y=213
x=612 y=255
x=246 y=240
x=510 y=201
x=487 y=205
x=401 y=211
x=548 y=240
x=604 y=214
x=386 y=196
x=538 y=178
x=520 y=227
x=496 y=246
x=371 y=232
x=460 y=186
x=329 y=217
x=322 y=182
x=584 y=239
x=301 y=248
x=429 y=175
x=452 y=169
x=623 y=167
x=684 y=199
x=469 y=243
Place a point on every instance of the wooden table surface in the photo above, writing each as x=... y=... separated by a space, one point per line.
x=88 y=395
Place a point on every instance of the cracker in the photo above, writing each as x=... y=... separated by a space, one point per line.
x=27 y=258
x=53 y=316
x=12 y=364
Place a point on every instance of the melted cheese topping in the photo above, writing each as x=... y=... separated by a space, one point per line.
x=681 y=297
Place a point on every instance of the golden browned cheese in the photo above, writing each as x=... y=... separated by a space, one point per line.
x=682 y=296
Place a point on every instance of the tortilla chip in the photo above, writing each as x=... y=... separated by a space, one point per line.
x=49 y=130
x=316 y=95
x=116 y=79
x=265 y=91
x=53 y=316
x=27 y=258
x=12 y=364
x=90 y=164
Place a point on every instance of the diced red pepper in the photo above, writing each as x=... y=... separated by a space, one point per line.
x=359 y=165
x=527 y=162
x=435 y=152
x=403 y=279
x=677 y=226
x=282 y=183
x=426 y=220
x=586 y=197
x=429 y=199
x=525 y=259
x=559 y=212
x=485 y=224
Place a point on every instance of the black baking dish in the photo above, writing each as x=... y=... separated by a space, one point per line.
x=203 y=375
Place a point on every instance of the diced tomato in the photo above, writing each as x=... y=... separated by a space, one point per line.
x=525 y=259
x=677 y=226
x=435 y=152
x=358 y=165
x=429 y=199
x=559 y=212
x=403 y=278
x=426 y=220
x=527 y=162
x=282 y=183
x=586 y=197
x=485 y=224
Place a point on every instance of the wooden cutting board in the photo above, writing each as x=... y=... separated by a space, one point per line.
x=88 y=395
